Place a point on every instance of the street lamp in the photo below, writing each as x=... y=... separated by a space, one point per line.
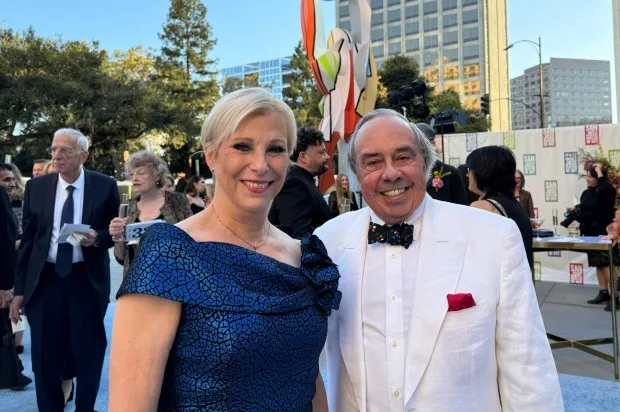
x=540 y=74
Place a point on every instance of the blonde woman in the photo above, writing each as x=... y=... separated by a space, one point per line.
x=224 y=311
x=342 y=196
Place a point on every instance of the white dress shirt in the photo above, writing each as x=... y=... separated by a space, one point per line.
x=387 y=292
x=78 y=206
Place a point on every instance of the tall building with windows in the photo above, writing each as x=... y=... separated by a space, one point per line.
x=272 y=74
x=576 y=92
x=458 y=44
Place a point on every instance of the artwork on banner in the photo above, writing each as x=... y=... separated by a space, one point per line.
x=529 y=164
x=592 y=133
x=571 y=163
x=454 y=161
x=548 y=137
x=614 y=158
x=551 y=191
x=576 y=273
x=471 y=142
x=537 y=270
x=509 y=140
x=438 y=143
x=554 y=253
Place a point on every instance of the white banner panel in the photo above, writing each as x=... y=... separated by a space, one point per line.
x=549 y=160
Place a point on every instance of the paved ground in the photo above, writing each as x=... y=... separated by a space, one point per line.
x=587 y=382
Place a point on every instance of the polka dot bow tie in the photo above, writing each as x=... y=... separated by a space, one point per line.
x=397 y=235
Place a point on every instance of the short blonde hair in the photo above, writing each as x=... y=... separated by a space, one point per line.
x=144 y=158
x=235 y=107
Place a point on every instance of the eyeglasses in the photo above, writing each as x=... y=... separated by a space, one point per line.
x=61 y=150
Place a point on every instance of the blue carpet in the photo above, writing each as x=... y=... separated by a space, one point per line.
x=580 y=394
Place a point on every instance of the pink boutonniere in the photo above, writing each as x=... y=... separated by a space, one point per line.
x=438 y=176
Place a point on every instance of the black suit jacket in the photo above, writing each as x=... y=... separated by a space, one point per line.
x=453 y=189
x=299 y=208
x=101 y=202
x=8 y=235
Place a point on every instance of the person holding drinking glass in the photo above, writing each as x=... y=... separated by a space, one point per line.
x=342 y=199
x=147 y=173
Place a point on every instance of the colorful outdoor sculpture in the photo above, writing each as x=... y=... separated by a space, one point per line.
x=344 y=70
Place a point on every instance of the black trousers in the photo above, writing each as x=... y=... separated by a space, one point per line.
x=66 y=319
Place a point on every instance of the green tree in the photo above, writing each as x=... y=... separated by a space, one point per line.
x=396 y=72
x=303 y=96
x=450 y=100
x=231 y=84
x=185 y=67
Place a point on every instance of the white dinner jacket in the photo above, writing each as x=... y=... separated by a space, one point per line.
x=492 y=357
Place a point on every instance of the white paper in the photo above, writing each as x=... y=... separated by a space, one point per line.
x=20 y=326
x=562 y=239
x=69 y=228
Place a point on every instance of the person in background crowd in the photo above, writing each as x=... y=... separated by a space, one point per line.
x=195 y=192
x=65 y=289
x=613 y=229
x=492 y=177
x=150 y=201
x=38 y=166
x=594 y=214
x=300 y=208
x=444 y=183
x=342 y=193
x=439 y=312
x=48 y=168
x=181 y=185
x=8 y=257
x=168 y=183
x=223 y=311
x=463 y=173
x=15 y=189
x=523 y=196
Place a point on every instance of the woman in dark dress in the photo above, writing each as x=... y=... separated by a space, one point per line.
x=594 y=213
x=224 y=312
x=341 y=195
x=523 y=196
x=492 y=177
x=194 y=191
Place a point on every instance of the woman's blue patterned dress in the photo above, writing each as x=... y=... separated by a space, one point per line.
x=251 y=328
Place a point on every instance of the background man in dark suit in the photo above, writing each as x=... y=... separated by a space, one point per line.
x=65 y=289
x=453 y=189
x=300 y=208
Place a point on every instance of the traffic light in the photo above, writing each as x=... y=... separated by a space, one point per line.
x=484 y=104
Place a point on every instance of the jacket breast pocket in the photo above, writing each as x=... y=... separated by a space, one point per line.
x=480 y=314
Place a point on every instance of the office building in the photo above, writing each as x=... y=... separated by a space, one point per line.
x=271 y=74
x=458 y=44
x=575 y=92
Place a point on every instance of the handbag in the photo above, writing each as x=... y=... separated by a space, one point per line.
x=10 y=365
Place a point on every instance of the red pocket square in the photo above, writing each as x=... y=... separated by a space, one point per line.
x=460 y=301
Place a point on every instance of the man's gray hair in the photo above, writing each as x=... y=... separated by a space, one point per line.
x=81 y=140
x=427 y=149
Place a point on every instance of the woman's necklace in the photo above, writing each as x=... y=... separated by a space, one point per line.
x=256 y=247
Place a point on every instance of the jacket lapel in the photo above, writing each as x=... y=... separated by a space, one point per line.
x=88 y=200
x=439 y=268
x=350 y=312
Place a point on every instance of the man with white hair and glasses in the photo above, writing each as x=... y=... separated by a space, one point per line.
x=65 y=288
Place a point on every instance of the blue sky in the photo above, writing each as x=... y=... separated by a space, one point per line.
x=250 y=30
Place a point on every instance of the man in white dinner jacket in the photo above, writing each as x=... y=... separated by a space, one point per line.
x=437 y=316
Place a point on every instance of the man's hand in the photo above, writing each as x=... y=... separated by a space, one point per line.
x=90 y=238
x=5 y=298
x=16 y=307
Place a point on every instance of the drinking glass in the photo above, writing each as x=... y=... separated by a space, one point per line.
x=537 y=222
x=345 y=206
x=122 y=213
